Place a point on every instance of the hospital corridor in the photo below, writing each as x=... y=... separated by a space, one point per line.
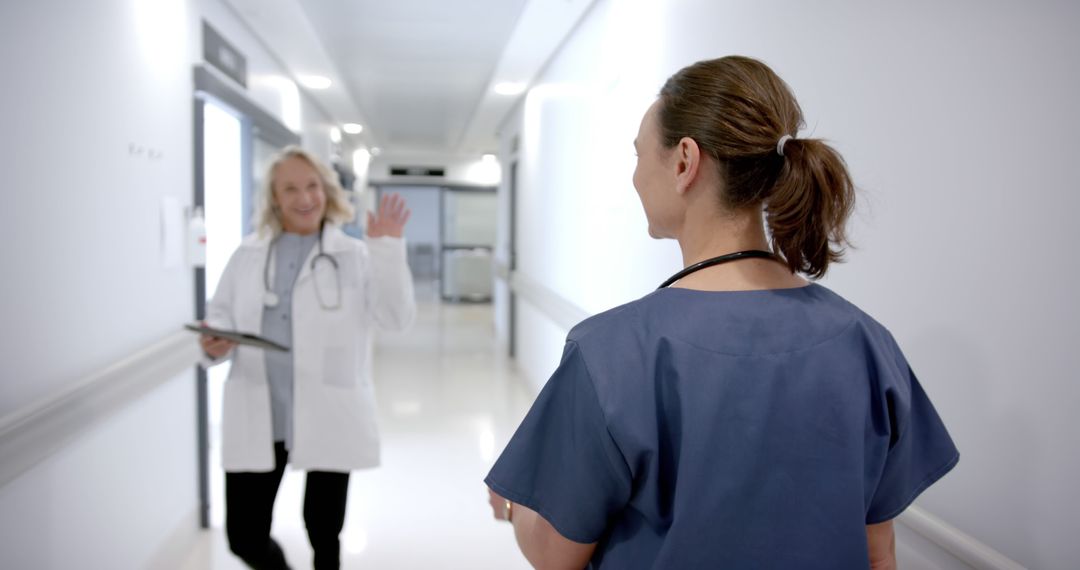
x=448 y=400
x=510 y=284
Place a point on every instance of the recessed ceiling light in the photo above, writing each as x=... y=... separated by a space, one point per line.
x=335 y=134
x=353 y=128
x=314 y=81
x=488 y=157
x=510 y=88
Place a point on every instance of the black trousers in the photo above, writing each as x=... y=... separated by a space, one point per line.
x=249 y=508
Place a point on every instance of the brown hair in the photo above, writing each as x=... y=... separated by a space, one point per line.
x=736 y=109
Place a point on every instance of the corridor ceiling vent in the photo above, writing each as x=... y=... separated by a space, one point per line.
x=427 y=171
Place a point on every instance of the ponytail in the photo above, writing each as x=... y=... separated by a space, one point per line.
x=740 y=113
x=808 y=207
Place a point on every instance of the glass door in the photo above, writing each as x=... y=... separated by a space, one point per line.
x=469 y=227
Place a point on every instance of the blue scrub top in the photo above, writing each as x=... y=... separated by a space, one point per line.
x=745 y=429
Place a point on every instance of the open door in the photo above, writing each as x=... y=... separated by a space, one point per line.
x=235 y=141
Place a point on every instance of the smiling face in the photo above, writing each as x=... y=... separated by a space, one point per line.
x=654 y=178
x=299 y=196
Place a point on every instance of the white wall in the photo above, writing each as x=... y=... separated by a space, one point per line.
x=268 y=83
x=115 y=498
x=97 y=108
x=88 y=85
x=81 y=223
x=316 y=132
x=958 y=121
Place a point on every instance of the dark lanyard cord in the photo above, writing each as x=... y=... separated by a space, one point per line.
x=748 y=254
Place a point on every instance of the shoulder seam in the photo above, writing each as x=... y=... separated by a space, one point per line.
x=618 y=309
x=600 y=407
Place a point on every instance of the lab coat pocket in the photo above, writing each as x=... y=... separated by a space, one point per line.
x=235 y=420
x=341 y=366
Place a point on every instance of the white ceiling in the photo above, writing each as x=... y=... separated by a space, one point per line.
x=418 y=74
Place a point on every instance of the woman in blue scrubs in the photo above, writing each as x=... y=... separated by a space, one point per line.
x=742 y=417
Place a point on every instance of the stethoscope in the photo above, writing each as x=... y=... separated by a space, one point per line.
x=748 y=254
x=271 y=300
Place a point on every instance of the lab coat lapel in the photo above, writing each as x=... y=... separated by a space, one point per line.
x=334 y=241
x=305 y=270
x=250 y=315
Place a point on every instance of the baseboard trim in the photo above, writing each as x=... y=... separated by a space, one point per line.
x=179 y=545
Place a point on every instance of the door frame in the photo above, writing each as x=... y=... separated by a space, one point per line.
x=512 y=261
x=254 y=122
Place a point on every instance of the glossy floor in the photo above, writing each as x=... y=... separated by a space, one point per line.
x=448 y=402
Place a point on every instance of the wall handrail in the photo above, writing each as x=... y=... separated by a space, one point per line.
x=954 y=541
x=565 y=313
x=951 y=539
x=35 y=432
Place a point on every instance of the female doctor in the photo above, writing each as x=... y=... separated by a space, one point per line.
x=300 y=281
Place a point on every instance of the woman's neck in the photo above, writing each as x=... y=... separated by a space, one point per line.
x=300 y=232
x=704 y=237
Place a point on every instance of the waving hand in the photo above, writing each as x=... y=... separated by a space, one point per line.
x=390 y=219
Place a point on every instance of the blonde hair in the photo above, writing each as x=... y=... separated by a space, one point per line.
x=338 y=208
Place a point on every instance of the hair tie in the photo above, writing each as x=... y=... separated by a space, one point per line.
x=781 y=142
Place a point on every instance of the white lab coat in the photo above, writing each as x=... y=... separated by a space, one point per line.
x=334 y=426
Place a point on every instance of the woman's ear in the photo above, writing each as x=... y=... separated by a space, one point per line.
x=687 y=164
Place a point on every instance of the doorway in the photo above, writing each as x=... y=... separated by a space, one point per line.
x=234 y=141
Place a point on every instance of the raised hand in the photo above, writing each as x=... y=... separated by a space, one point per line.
x=390 y=219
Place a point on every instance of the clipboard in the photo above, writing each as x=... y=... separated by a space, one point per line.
x=237 y=337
